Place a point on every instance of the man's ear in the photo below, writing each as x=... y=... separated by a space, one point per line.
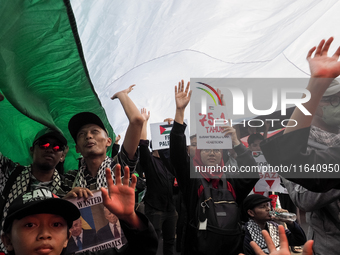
x=251 y=213
x=6 y=240
x=62 y=158
x=109 y=142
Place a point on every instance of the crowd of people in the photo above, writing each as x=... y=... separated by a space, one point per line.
x=212 y=213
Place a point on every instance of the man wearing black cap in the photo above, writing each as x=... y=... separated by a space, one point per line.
x=47 y=151
x=92 y=141
x=257 y=208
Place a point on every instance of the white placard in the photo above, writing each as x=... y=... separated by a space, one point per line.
x=160 y=135
x=209 y=128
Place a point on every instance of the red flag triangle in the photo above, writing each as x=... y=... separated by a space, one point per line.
x=270 y=182
x=162 y=129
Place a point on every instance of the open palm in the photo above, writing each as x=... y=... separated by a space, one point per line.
x=321 y=65
x=182 y=97
x=119 y=198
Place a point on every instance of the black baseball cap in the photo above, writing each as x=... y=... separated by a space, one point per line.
x=40 y=201
x=48 y=132
x=254 y=200
x=81 y=119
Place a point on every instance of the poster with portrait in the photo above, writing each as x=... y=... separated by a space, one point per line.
x=96 y=229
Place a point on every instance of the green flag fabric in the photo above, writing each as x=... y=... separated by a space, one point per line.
x=43 y=76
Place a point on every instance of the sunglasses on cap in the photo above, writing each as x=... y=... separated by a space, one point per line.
x=45 y=145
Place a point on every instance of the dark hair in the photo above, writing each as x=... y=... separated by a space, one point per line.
x=253 y=137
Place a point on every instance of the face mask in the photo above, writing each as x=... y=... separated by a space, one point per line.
x=331 y=115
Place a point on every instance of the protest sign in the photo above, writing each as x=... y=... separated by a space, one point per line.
x=97 y=229
x=209 y=128
x=269 y=181
x=160 y=135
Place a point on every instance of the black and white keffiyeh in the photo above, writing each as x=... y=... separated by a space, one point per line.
x=256 y=234
x=321 y=136
x=80 y=180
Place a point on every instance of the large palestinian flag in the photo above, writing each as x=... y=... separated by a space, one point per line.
x=43 y=75
x=150 y=43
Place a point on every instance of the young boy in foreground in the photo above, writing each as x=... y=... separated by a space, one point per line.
x=39 y=222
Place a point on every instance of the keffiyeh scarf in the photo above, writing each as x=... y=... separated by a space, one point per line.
x=80 y=180
x=256 y=234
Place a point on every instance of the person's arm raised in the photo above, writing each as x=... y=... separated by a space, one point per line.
x=146 y=116
x=134 y=129
x=182 y=98
x=323 y=70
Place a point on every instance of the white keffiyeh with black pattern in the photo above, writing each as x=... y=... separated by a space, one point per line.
x=256 y=234
x=80 y=180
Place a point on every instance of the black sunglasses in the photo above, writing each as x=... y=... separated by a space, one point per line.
x=44 y=145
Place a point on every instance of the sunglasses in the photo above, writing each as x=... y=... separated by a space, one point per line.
x=44 y=145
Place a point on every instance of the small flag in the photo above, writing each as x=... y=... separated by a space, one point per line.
x=165 y=129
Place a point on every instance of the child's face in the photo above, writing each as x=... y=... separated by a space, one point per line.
x=37 y=234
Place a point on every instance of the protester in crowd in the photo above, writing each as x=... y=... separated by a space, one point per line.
x=257 y=207
x=38 y=222
x=290 y=149
x=92 y=141
x=322 y=209
x=254 y=141
x=232 y=190
x=159 y=205
x=47 y=152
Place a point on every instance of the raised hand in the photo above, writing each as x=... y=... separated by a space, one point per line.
x=145 y=115
x=117 y=139
x=119 y=198
x=322 y=66
x=127 y=91
x=169 y=120
x=228 y=130
x=284 y=246
x=182 y=97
